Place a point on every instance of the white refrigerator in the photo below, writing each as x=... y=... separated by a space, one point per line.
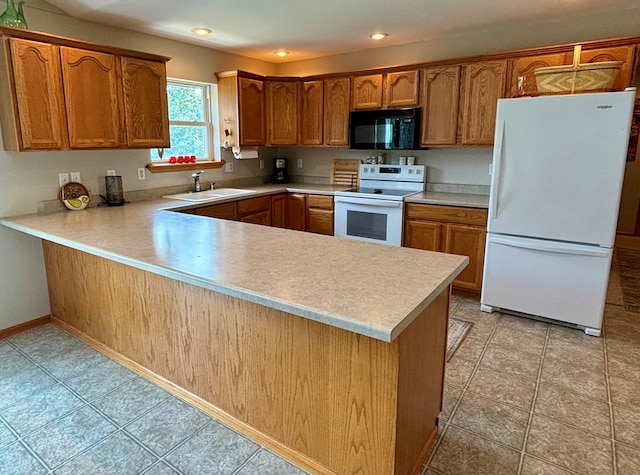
x=558 y=165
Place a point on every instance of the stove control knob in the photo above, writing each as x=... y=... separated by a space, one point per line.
x=410 y=171
x=418 y=171
x=365 y=170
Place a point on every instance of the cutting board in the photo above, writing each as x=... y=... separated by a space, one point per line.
x=345 y=172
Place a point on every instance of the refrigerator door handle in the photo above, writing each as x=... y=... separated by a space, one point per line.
x=559 y=248
x=495 y=172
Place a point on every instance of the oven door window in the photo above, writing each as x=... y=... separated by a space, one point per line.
x=367 y=225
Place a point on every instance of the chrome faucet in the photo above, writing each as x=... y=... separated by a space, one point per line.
x=196 y=179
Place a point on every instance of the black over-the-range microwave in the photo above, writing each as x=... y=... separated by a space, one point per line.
x=391 y=129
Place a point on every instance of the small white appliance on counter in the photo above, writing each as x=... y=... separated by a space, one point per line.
x=374 y=211
x=558 y=165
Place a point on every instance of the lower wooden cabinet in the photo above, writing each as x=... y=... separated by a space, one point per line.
x=296 y=211
x=222 y=211
x=279 y=210
x=453 y=230
x=320 y=214
x=251 y=210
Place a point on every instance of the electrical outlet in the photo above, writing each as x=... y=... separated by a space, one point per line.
x=141 y=174
x=75 y=176
x=299 y=163
x=111 y=173
x=261 y=164
x=228 y=167
x=63 y=178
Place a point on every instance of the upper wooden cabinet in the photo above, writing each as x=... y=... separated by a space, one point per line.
x=402 y=89
x=144 y=85
x=39 y=121
x=336 y=111
x=375 y=91
x=93 y=98
x=282 y=112
x=440 y=100
x=241 y=107
x=524 y=67
x=484 y=84
x=366 y=92
x=58 y=93
x=311 y=112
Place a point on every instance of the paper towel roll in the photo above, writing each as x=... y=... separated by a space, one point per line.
x=245 y=153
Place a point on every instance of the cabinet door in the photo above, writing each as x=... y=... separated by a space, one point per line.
x=627 y=54
x=93 y=98
x=296 y=211
x=420 y=234
x=441 y=98
x=367 y=92
x=222 y=211
x=282 y=118
x=40 y=117
x=336 y=111
x=311 y=113
x=254 y=205
x=145 y=103
x=467 y=241
x=402 y=89
x=525 y=68
x=483 y=86
x=263 y=217
x=279 y=210
x=251 y=109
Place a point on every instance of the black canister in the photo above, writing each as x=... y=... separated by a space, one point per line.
x=115 y=195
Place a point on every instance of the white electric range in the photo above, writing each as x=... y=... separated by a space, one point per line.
x=374 y=210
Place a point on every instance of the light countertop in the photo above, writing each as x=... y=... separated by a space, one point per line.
x=370 y=289
x=450 y=199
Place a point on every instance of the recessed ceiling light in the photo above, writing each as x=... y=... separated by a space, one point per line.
x=201 y=31
x=378 y=36
x=281 y=53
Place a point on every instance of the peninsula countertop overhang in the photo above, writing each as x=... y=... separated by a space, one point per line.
x=370 y=289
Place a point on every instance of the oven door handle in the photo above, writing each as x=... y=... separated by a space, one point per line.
x=369 y=202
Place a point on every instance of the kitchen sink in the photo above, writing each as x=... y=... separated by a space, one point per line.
x=209 y=195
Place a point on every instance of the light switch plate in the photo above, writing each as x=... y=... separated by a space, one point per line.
x=141 y=174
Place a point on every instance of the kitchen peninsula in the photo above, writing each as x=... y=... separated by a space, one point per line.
x=329 y=351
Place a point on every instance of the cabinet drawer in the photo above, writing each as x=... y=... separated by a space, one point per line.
x=447 y=214
x=223 y=211
x=320 y=201
x=253 y=205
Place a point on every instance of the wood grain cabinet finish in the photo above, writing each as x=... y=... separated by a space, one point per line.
x=311 y=112
x=441 y=99
x=525 y=67
x=296 y=211
x=59 y=93
x=221 y=211
x=626 y=54
x=366 y=92
x=402 y=89
x=145 y=103
x=320 y=214
x=241 y=108
x=279 y=210
x=39 y=121
x=255 y=210
x=93 y=98
x=336 y=111
x=483 y=85
x=282 y=112
x=453 y=230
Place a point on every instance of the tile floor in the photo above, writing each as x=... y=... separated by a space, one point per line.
x=521 y=397
x=530 y=398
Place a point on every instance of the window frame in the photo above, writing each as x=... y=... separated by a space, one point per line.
x=210 y=108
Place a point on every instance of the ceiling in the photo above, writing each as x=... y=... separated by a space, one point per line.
x=309 y=29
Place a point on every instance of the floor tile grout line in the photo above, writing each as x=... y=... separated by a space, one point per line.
x=253 y=455
x=614 y=456
x=525 y=439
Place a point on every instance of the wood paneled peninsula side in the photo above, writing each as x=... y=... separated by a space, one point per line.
x=328 y=351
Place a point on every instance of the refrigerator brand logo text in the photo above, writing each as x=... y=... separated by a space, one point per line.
x=605 y=107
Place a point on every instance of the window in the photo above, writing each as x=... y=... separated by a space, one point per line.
x=191 y=124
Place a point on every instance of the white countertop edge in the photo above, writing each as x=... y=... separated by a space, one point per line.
x=305 y=312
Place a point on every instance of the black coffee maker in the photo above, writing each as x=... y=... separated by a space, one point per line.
x=280 y=172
